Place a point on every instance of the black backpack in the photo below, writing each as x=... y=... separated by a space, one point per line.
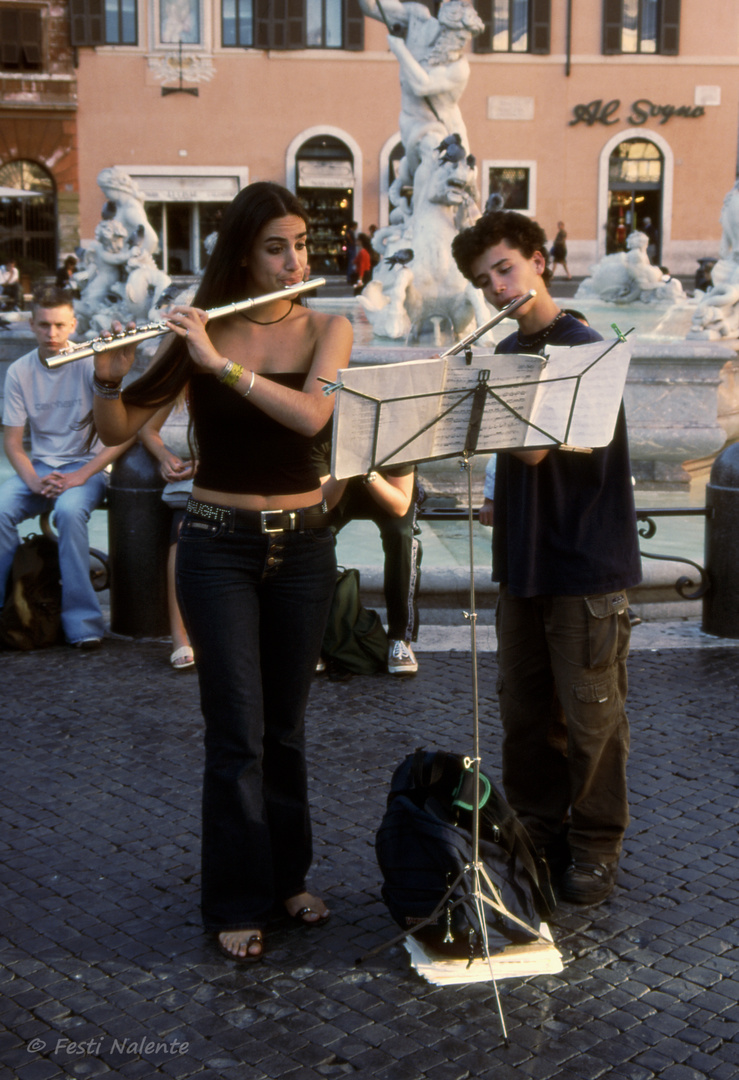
x=31 y=615
x=354 y=640
x=425 y=840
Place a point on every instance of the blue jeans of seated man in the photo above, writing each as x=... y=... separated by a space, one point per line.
x=255 y=607
x=81 y=615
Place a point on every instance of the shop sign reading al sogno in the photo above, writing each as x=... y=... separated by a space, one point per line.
x=602 y=112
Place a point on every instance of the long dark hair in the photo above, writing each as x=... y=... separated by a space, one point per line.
x=223 y=282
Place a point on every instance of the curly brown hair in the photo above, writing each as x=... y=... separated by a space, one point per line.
x=521 y=232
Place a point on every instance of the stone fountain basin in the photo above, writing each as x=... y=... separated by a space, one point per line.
x=656 y=321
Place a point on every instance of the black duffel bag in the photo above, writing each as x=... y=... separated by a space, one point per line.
x=425 y=841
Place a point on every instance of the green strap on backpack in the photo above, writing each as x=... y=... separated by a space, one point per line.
x=355 y=638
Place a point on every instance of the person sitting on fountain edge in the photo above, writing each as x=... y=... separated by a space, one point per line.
x=62 y=473
x=390 y=497
x=565 y=549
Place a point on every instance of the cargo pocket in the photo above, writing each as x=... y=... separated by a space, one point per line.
x=605 y=613
x=595 y=691
x=595 y=704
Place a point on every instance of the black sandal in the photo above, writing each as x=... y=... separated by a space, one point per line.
x=300 y=916
x=247 y=958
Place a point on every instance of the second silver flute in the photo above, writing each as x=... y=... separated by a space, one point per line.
x=77 y=350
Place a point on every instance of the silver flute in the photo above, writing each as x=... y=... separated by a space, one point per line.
x=504 y=313
x=78 y=350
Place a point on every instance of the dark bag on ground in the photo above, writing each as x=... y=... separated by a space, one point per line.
x=425 y=841
x=355 y=640
x=31 y=615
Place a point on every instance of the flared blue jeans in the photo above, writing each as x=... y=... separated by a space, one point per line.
x=255 y=606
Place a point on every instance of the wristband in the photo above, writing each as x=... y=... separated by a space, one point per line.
x=110 y=391
x=232 y=374
x=251 y=384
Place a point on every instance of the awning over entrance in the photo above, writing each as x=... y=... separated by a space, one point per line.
x=188 y=188
x=325 y=174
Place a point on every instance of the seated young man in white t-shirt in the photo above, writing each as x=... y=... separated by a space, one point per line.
x=60 y=473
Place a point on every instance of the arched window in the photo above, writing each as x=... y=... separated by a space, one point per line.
x=635 y=172
x=28 y=219
x=325 y=186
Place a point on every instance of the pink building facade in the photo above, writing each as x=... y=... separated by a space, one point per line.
x=598 y=113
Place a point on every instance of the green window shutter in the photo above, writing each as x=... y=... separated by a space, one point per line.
x=30 y=38
x=541 y=27
x=669 y=31
x=612 y=26
x=483 y=43
x=279 y=24
x=20 y=38
x=295 y=24
x=10 y=52
x=353 y=26
x=87 y=22
x=262 y=25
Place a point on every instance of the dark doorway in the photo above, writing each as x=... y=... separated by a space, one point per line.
x=635 y=178
x=28 y=221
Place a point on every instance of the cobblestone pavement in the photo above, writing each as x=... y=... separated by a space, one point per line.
x=105 y=969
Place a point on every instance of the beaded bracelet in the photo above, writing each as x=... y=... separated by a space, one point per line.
x=106 y=390
x=232 y=375
x=226 y=371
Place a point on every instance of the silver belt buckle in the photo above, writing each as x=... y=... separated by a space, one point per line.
x=265 y=515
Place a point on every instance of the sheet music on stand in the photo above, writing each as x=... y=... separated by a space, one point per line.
x=419 y=410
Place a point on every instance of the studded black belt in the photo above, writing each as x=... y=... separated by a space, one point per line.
x=265 y=521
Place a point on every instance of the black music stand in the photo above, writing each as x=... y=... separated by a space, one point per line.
x=477 y=888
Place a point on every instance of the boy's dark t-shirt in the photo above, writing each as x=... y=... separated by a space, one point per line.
x=567 y=526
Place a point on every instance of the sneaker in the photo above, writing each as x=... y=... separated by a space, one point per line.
x=88 y=644
x=320 y=665
x=400 y=659
x=588 y=883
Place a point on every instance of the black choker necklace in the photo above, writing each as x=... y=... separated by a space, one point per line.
x=531 y=342
x=270 y=322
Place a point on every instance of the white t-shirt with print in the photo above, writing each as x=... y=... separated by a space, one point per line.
x=53 y=400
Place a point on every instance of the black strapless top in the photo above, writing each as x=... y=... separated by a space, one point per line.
x=241 y=449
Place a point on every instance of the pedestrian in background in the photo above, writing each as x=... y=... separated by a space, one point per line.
x=559 y=250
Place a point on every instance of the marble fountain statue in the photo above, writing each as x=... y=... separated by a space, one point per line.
x=717 y=314
x=119 y=279
x=658 y=307
x=417 y=284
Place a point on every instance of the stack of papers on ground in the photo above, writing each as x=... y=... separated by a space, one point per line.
x=515 y=962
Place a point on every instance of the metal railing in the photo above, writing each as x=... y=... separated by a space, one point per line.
x=646 y=527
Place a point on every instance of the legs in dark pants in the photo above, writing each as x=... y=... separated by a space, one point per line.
x=255 y=607
x=562 y=688
x=402 y=550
